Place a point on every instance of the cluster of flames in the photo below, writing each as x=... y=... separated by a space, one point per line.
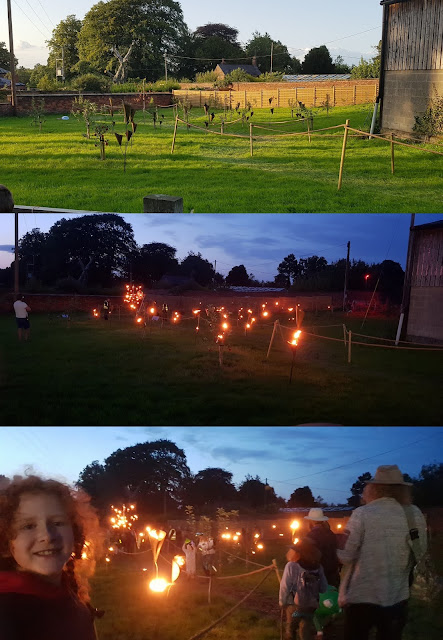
x=123 y=519
x=133 y=295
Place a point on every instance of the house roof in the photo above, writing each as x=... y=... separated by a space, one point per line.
x=315 y=77
x=430 y=225
x=258 y=289
x=5 y=82
x=249 y=68
x=3 y=71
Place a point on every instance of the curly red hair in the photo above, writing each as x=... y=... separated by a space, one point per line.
x=84 y=520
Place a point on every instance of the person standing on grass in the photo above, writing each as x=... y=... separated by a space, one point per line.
x=302 y=582
x=106 y=309
x=384 y=539
x=326 y=542
x=49 y=536
x=21 y=316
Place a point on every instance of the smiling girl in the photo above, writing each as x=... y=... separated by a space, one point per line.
x=49 y=534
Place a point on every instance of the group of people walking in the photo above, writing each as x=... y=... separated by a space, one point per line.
x=371 y=564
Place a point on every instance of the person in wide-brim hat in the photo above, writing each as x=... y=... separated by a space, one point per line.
x=317 y=515
x=321 y=535
x=376 y=557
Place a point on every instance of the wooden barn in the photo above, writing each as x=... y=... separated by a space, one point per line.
x=425 y=283
x=411 y=61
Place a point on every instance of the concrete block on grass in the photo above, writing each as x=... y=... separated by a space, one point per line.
x=159 y=203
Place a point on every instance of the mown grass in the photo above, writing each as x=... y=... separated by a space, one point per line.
x=58 y=167
x=88 y=371
x=135 y=613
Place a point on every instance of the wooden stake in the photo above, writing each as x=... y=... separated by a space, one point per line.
x=220 y=354
x=175 y=134
x=349 y=345
x=222 y=128
x=209 y=590
x=309 y=131
x=343 y=152
x=344 y=335
x=392 y=153
x=272 y=338
x=250 y=138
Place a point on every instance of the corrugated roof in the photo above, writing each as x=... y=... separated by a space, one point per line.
x=316 y=77
x=258 y=289
x=249 y=68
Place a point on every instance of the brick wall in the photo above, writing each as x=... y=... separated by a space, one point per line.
x=426 y=313
x=407 y=94
x=62 y=102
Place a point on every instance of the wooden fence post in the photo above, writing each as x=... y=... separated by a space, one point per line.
x=355 y=94
x=333 y=96
x=245 y=100
x=349 y=345
x=315 y=97
x=278 y=97
x=392 y=153
x=343 y=151
x=250 y=138
x=261 y=99
x=175 y=134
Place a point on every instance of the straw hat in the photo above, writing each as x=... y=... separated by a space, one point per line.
x=317 y=515
x=389 y=474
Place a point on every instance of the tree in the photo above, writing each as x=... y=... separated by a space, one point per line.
x=5 y=57
x=318 y=60
x=428 y=487
x=301 y=497
x=238 y=276
x=391 y=277
x=155 y=26
x=256 y=494
x=357 y=489
x=289 y=268
x=340 y=66
x=217 y=30
x=368 y=68
x=90 y=248
x=312 y=265
x=211 y=487
x=64 y=41
x=195 y=266
x=32 y=251
x=260 y=46
x=150 y=473
x=152 y=261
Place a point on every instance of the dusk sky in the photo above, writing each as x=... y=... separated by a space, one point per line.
x=348 y=30
x=259 y=241
x=327 y=459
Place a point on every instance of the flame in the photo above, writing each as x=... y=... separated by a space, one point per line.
x=339 y=526
x=265 y=314
x=295 y=338
x=225 y=325
x=260 y=546
x=158 y=585
x=295 y=524
x=296 y=541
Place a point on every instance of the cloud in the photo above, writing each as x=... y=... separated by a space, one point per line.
x=23 y=45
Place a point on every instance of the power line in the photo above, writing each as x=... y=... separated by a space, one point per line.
x=31 y=21
x=46 y=14
x=358 y=461
x=36 y=14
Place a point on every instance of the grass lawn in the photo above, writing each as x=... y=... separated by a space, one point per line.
x=135 y=613
x=91 y=372
x=58 y=167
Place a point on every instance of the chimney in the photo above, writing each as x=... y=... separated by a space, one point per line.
x=223 y=61
x=254 y=61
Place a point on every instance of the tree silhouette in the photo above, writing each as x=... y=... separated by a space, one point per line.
x=357 y=489
x=301 y=497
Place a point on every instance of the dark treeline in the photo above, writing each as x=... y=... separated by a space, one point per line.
x=157 y=477
x=91 y=253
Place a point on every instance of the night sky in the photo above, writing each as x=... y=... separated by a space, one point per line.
x=259 y=241
x=328 y=459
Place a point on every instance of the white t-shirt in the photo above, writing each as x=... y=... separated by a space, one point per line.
x=20 y=309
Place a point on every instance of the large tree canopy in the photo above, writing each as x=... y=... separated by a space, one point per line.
x=156 y=27
x=64 y=42
x=150 y=473
x=5 y=57
x=260 y=46
x=301 y=497
x=198 y=268
x=152 y=261
x=211 y=487
x=318 y=60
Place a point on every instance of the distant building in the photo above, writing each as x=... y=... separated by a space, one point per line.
x=223 y=69
x=411 y=60
x=425 y=313
x=5 y=82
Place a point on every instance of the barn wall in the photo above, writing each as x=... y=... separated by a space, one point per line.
x=407 y=94
x=426 y=314
x=414 y=62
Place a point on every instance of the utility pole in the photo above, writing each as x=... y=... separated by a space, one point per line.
x=345 y=291
x=11 y=53
x=166 y=69
x=16 y=272
x=272 y=49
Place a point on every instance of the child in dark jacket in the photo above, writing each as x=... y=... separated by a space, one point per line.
x=44 y=526
x=302 y=582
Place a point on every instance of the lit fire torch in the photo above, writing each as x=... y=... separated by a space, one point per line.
x=293 y=344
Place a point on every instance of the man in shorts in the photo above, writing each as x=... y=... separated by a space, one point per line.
x=21 y=315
